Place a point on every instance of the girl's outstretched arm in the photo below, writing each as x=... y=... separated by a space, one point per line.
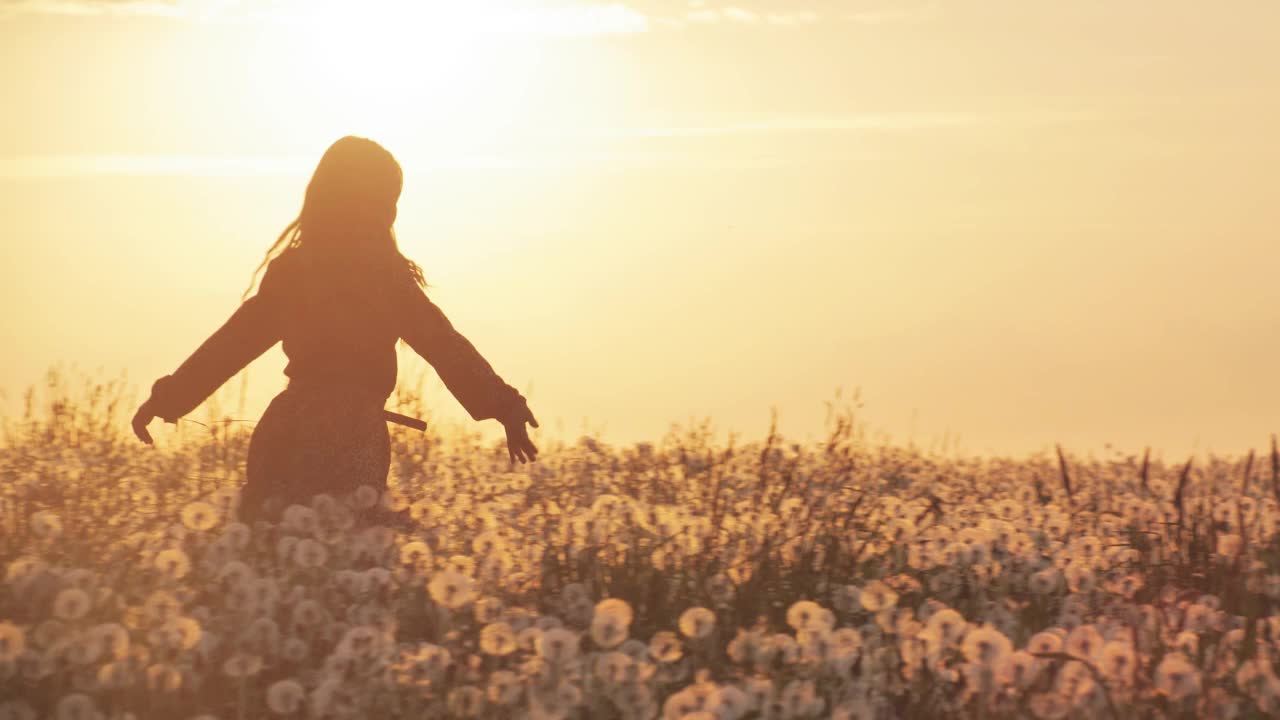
x=251 y=330
x=466 y=373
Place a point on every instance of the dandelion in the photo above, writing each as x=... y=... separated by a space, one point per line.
x=1018 y=669
x=285 y=697
x=1046 y=581
x=310 y=553
x=300 y=519
x=615 y=607
x=1176 y=677
x=173 y=563
x=801 y=615
x=12 y=641
x=1049 y=706
x=1044 y=642
x=199 y=516
x=697 y=622
x=237 y=535
x=986 y=646
x=504 y=688
x=165 y=678
x=1080 y=578
x=877 y=596
x=466 y=701
x=608 y=630
x=665 y=647
x=242 y=665
x=497 y=639
x=308 y=613
x=487 y=610
x=45 y=525
x=294 y=649
x=612 y=667
x=845 y=598
x=415 y=553
x=182 y=633
x=451 y=589
x=71 y=604
x=1119 y=661
x=557 y=645
x=75 y=706
x=1085 y=642
x=947 y=625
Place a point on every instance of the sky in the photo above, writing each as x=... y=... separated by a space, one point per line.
x=1004 y=224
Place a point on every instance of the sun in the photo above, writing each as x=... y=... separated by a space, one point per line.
x=421 y=77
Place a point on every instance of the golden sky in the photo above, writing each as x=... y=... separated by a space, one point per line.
x=1008 y=222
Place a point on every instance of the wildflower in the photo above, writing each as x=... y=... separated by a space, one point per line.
x=665 y=647
x=877 y=596
x=173 y=563
x=199 y=516
x=451 y=589
x=497 y=639
x=1177 y=677
x=697 y=622
x=986 y=646
x=285 y=697
x=71 y=604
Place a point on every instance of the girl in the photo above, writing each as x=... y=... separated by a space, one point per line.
x=339 y=296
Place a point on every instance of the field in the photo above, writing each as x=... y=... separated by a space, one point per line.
x=678 y=579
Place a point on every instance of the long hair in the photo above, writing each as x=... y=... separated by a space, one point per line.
x=349 y=209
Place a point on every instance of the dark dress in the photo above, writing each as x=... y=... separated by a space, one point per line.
x=339 y=320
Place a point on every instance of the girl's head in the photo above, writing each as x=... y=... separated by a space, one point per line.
x=352 y=194
x=349 y=207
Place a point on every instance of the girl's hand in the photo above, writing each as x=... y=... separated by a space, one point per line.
x=140 y=420
x=519 y=446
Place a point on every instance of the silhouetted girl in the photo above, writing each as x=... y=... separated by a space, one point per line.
x=339 y=296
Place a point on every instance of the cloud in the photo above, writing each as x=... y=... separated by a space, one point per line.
x=171 y=8
x=733 y=15
x=582 y=18
x=896 y=14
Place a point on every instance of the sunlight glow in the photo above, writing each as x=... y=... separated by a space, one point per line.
x=431 y=78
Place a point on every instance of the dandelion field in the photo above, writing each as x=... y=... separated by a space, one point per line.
x=678 y=579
